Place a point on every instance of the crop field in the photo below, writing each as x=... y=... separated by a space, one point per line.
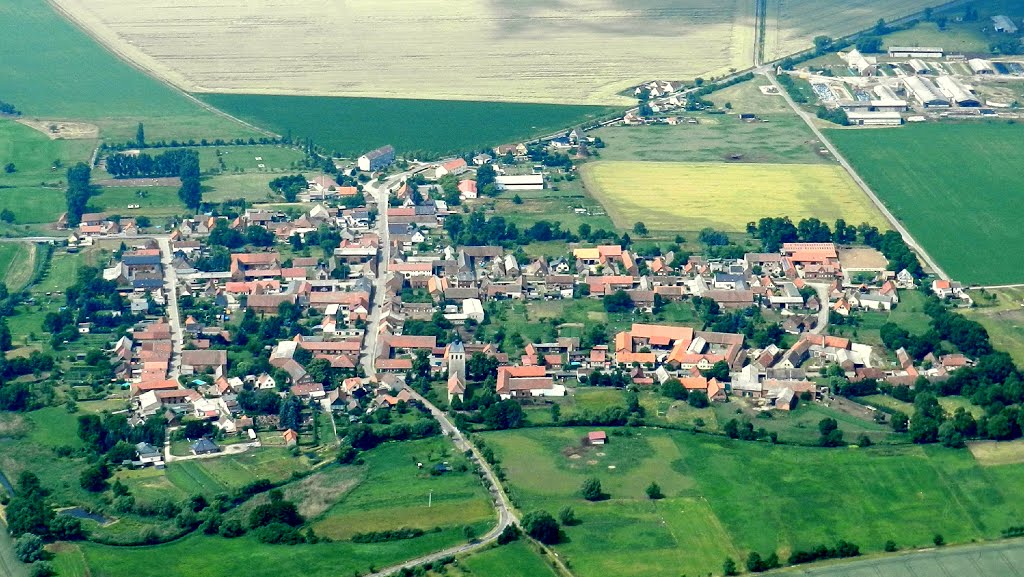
x=953 y=187
x=397 y=494
x=792 y=24
x=570 y=52
x=676 y=196
x=726 y=498
x=52 y=70
x=427 y=128
x=985 y=560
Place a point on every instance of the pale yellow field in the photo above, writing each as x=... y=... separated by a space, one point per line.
x=565 y=51
x=792 y=24
x=671 y=196
x=992 y=453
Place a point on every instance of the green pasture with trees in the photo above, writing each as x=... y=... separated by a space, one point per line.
x=726 y=498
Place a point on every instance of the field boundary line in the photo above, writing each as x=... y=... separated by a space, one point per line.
x=150 y=73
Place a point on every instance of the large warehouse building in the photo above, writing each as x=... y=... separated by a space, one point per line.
x=925 y=92
x=868 y=118
x=956 y=91
x=915 y=52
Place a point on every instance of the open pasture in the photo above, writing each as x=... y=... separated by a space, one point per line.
x=676 y=196
x=16 y=261
x=791 y=25
x=396 y=493
x=956 y=189
x=570 y=52
x=726 y=498
x=53 y=70
x=1003 y=318
x=424 y=128
x=517 y=559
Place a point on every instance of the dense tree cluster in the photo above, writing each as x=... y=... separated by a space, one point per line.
x=142 y=165
x=8 y=109
x=31 y=511
x=478 y=230
x=289 y=186
x=78 y=192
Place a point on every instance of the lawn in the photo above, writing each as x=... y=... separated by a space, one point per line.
x=53 y=70
x=35 y=192
x=153 y=201
x=396 y=493
x=222 y=474
x=782 y=139
x=955 y=188
x=352 y=126
x=252 y=186
x=573 y=51
x=557 y=203
x=725 y=498
x=16 y=261
x=676 y=196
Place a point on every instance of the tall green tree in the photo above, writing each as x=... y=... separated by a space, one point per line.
x=140 y=136
x=191 y=191
x=78 y=192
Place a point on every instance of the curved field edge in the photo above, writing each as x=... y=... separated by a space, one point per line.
x=727 y=498
x=690 y=196
x=429 y=128
x=956 y=187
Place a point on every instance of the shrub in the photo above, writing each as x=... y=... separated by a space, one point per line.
x=654 y=491
x=42 y=569
x=568 y=517
x=279 y=534
x=29 y=548
x=591 y=490
x=232 y=528
x=390 y=535
x=509 y=534
x=890 y=546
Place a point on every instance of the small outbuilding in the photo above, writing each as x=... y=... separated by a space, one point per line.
x=597 y=438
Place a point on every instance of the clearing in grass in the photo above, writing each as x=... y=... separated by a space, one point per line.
x=572 y=51
x=54 y=71
x=727 y=498
x=411 y=126
x=955 y=188
x=676 y=196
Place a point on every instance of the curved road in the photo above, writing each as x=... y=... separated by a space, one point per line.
x=896 y=224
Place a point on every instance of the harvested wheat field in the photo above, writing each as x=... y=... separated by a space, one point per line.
x=791 y=25
x=688 y=196
x=568 y=51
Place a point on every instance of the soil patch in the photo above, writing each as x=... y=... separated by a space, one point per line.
x=138 y=182
x=55 y=129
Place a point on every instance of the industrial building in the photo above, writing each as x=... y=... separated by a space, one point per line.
x=918 y=66
x=956 y=91
x=925 y=92
x=981 y=66
x=1004 y=24
x=523 y=182
x=863 y=65
x=869 y=118
x=915 y=52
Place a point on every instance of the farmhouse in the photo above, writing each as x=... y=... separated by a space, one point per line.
x=529 y=381
x=876 y=118
x=915 y=52
x=522 y=182
x=1003 y=23
x=377 y=159
x=925 y=92
x=457 y=166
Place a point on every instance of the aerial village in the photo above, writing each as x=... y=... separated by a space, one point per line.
x=389 y=270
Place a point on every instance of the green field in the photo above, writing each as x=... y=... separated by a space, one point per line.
x=516 y=559
x=222 y=474
x=16 y=261
x=425 y=128
x=154 y=201
x=785 y=139
x=35 y=192
x=987 y=560
x=1003 y=318
x=681 y=196
x=726 y=498
x=955 y=187
x=397 y=494
x=52 y=70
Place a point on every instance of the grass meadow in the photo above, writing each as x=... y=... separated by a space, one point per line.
x=726 y=498
x=53 y=70
x=425 y=128
x=16 y=261
x=956 y=187
x=677 y=196
x=35 y=191
x=1003 y=318
x=517 y=559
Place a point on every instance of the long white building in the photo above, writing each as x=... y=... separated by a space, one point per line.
x=925 y=92
x=956 y=91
